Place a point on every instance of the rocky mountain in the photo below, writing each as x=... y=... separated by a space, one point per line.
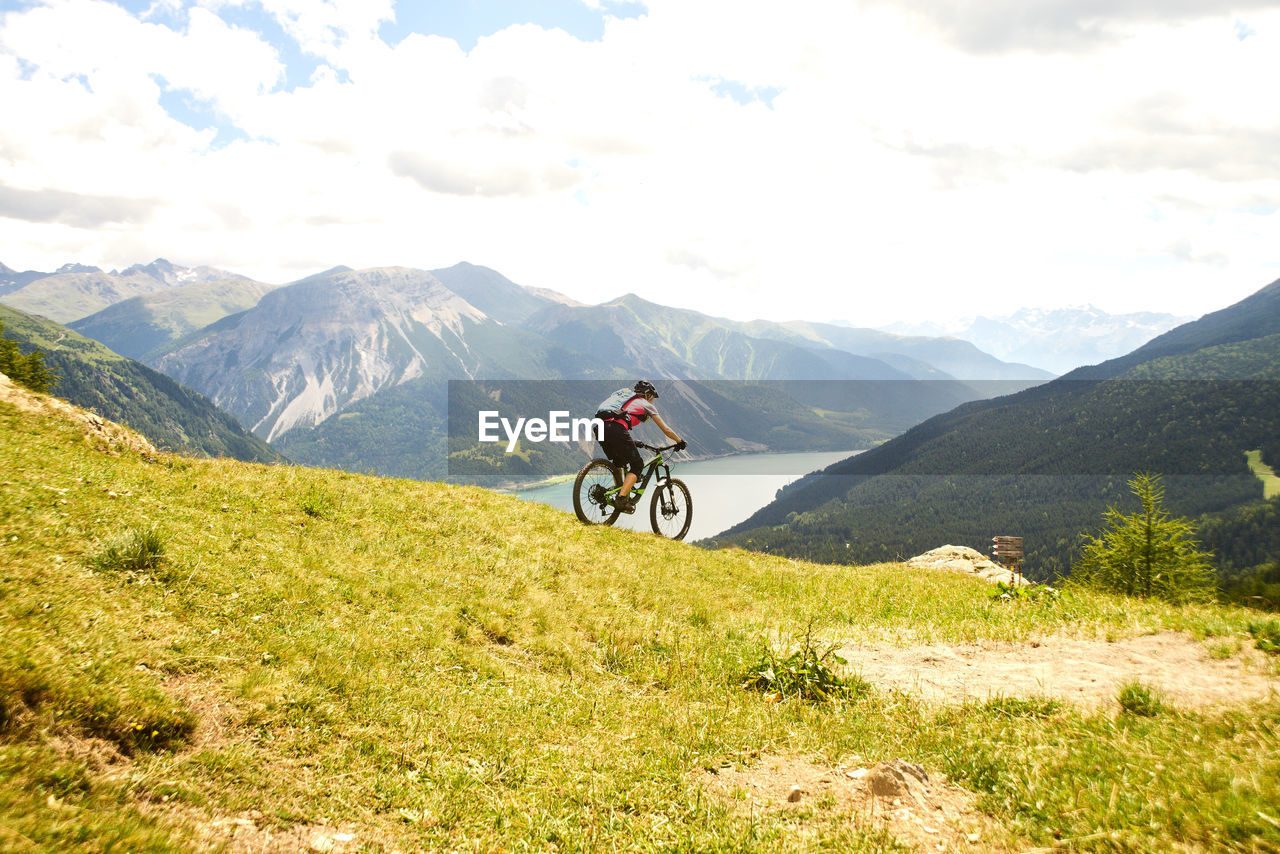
x=76 y=291
x=11 y=280
x=1056 y=340
x=309 y=349
x=496 y=295
x=1045 y=462
x=173 y=417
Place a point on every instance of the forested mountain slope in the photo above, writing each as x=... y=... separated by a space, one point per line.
x=170 y=415
x=1045 y=462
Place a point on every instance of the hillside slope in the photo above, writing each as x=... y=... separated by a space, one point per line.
x=1045 y=462
x=172 y=416
x=201 y=652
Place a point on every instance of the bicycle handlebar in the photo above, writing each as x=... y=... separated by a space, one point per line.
x=656 y=450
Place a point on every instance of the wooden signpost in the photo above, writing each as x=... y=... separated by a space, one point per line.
x=1008 y=553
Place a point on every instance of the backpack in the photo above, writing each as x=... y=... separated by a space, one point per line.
x=611 y=408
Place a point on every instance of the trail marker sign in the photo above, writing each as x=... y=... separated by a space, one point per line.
x=1008 y=552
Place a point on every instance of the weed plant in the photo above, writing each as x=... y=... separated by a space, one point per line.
x=807 y=673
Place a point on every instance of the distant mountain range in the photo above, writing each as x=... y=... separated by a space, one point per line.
x=384 y=341
x=1057 y=340
x=1044 y=463
x=75 y=291
x=346 y=365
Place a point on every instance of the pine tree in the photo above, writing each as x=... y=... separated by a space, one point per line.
x=1146 y=554
x=25 y=369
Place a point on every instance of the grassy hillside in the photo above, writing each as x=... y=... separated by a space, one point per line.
x=191 y=647
x=171 y=415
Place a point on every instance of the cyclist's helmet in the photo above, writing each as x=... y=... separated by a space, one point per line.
x=645 y=387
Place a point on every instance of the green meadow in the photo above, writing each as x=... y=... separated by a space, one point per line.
x=1264 y=472
x=192 y=645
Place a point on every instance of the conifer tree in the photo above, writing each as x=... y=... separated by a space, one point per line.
x=1148 y=553
x=25 y=369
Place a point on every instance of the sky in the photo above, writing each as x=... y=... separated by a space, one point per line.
x=873 y=161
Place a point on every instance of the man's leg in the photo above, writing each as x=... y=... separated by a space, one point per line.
x=634 y=465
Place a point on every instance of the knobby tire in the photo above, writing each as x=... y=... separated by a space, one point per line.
x=671 y=510
x=597 y=473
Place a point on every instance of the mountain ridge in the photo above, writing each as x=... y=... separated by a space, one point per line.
x=76 y=291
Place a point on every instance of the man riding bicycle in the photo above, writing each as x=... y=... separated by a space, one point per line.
x=617 y=443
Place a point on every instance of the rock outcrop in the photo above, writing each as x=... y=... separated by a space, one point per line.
x=965 y=559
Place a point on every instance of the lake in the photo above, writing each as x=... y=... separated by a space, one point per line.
x=725 y=490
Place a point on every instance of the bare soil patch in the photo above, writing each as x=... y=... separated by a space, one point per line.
x=918 y=807
x=1086 y=673
x=248 y=833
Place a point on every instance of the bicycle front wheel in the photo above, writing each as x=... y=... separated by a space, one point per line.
x=593 y=493
x=671 y=510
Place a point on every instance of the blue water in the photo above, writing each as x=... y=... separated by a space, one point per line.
x=725 y=490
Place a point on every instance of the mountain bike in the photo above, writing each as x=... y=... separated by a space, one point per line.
x=595 y=493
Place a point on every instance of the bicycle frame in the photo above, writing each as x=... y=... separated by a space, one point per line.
x=647 y=472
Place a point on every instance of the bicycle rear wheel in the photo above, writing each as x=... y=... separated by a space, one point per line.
x=671 y=510
x=590 y=499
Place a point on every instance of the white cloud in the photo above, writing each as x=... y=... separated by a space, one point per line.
x=1070 y=26
x=907 y=165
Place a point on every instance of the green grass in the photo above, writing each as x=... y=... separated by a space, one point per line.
x=445 y=668
x=1270 y=480
x=1136 y=698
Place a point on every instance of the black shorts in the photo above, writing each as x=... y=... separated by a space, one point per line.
x=620 y=448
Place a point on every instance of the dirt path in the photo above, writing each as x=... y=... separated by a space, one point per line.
x=1085 y=673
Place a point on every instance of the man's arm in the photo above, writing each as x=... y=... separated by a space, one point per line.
x=662 y=425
